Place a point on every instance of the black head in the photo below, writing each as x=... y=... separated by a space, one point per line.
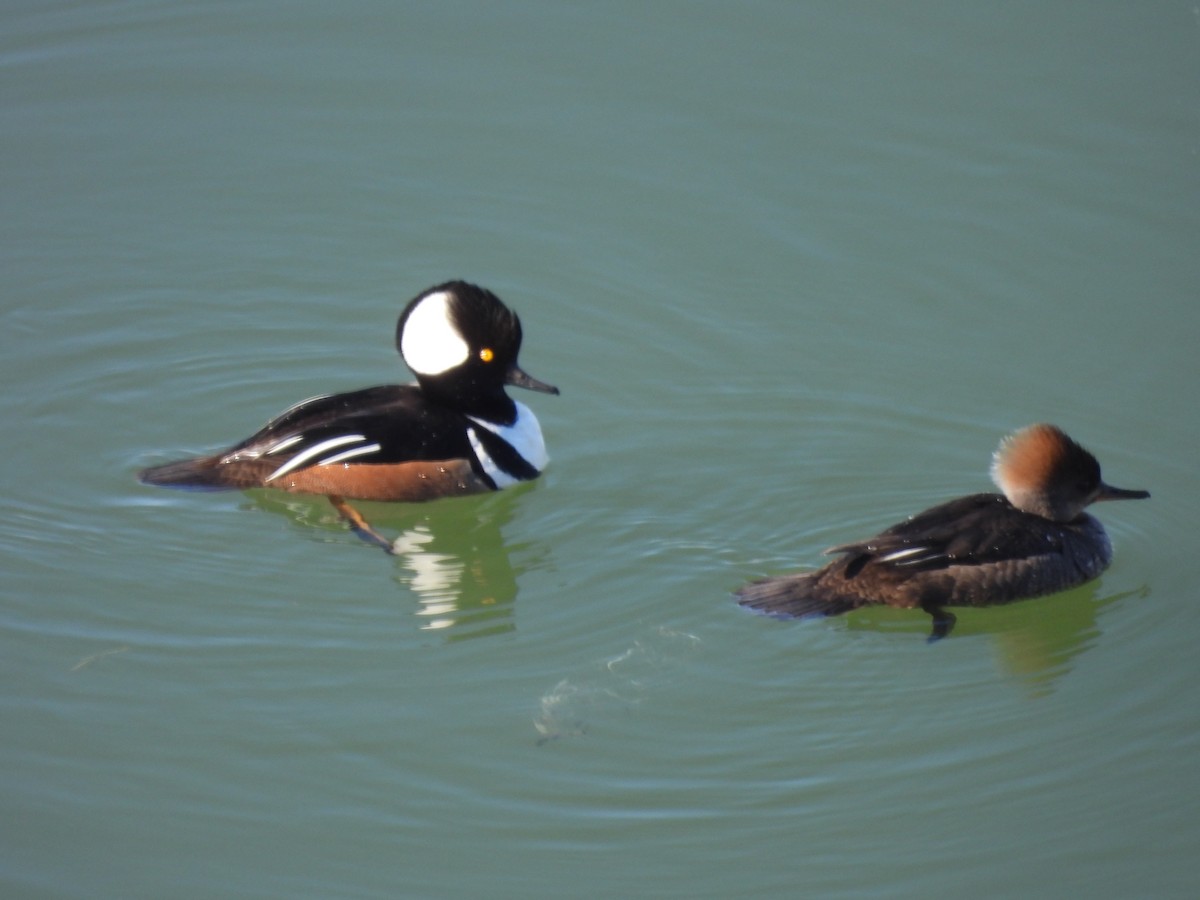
x=462 y=343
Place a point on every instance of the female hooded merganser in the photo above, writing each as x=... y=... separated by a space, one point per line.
x=456 y=431
x=975 y=551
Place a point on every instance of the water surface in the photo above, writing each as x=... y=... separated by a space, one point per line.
x=796 y=269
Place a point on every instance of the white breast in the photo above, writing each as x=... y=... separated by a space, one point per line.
x=524 y=435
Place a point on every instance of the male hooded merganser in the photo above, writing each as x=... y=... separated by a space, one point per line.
x=980 y=550
x=456 y=431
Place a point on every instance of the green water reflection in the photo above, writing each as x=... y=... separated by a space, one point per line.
x=451 y=555
x=1036 y=640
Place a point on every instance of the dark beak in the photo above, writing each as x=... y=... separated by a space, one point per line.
x=518 y=378
x=1108 y=492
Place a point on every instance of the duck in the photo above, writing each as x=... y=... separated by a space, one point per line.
x=454 y=431
x=1031 y=539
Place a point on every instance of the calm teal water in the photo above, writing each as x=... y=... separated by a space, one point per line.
x=796 y=269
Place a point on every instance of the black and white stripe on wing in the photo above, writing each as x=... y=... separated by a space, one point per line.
x=326 y=452
x=912 y=556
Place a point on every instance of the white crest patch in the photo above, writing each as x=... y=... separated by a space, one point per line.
x=430 y=343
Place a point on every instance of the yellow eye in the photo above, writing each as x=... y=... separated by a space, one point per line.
x=486 y=354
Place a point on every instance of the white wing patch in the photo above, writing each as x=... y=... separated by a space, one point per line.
x=349 y=454
x=257 y=450
x=316 y=450
x=897 y=555
x=916 y=556
x=284 y=444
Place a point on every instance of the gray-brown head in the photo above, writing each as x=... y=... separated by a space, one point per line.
x=1042 y=471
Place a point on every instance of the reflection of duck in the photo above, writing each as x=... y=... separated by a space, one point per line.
x=980 y=550
x=452 y=556
x=458 y=565
x=456 y=431
x=1038 y=649
x=1036 y=646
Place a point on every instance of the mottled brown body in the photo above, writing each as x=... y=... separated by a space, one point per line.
x=981 y=550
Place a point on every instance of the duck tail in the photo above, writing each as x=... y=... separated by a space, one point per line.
x=795 y=596
x=199 y=473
